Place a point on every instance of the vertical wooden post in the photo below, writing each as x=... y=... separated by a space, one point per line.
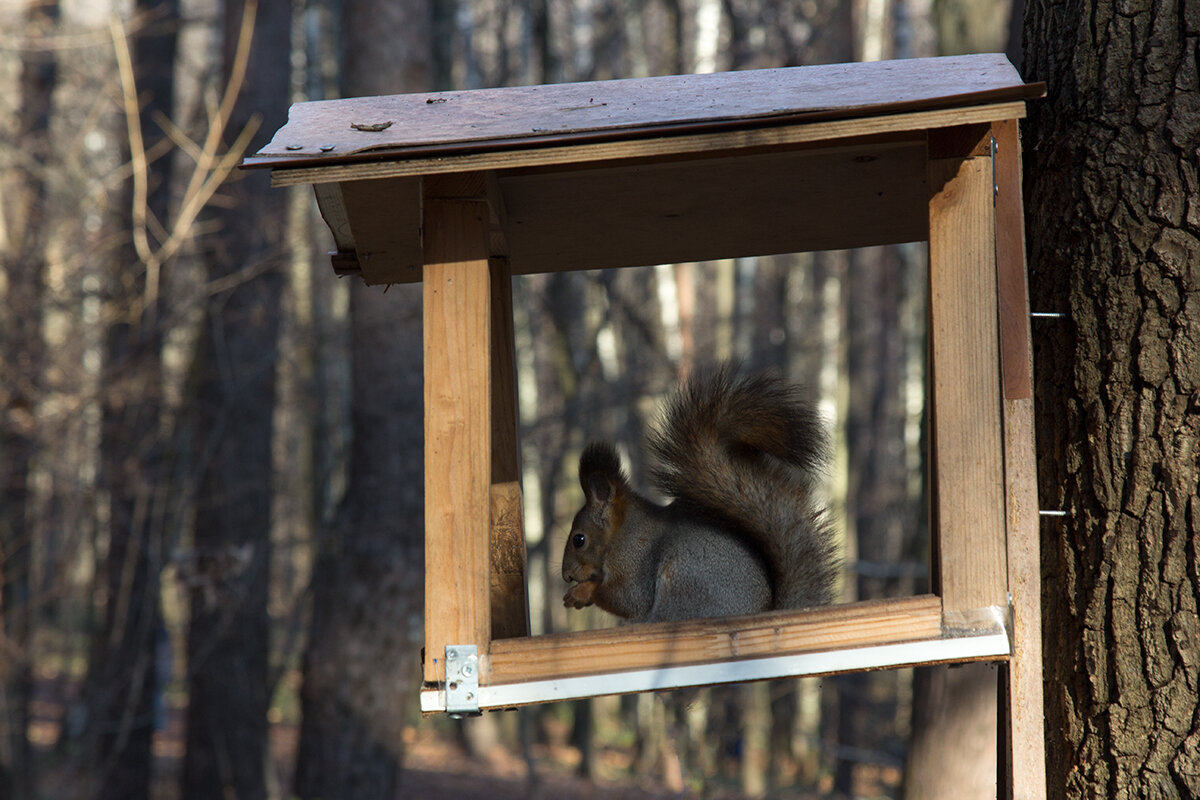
x=967 y=446
x=1025 y=732
x=510 y=608
x=458 y=426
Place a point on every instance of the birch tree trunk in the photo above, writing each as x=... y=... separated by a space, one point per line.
x=1113 y=209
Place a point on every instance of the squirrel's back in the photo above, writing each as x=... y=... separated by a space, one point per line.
x=747 y=452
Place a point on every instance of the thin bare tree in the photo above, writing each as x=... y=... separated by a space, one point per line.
x=233 y=378
x=23 y=238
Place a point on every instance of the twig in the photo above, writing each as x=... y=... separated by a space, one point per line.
x=196 y=198
x=237 y=74
x=212 y=167
x=177 y=136
x=137 y=148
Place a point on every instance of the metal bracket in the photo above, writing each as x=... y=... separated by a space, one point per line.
x=995 y=150
x=462 y=680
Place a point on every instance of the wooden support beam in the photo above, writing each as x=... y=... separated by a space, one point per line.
x=1015 y=347
x=1026 y=744
x=860 y=192
x=458 y=426
x=1026 y=734
x=510 y=606
x=385 y=217
x=967 y=447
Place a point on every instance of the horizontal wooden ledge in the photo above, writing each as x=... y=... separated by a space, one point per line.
x=650 y=147
x=861 y=636
x=659 y=645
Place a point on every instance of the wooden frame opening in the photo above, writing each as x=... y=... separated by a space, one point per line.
x=967 y=617
x=921 y=150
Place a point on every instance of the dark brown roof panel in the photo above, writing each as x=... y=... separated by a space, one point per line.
x=407 y=125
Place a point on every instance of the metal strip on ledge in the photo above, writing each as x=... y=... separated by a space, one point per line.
x=977 y=635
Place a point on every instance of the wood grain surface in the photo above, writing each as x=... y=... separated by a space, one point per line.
x=405 y=125
x=658 y=645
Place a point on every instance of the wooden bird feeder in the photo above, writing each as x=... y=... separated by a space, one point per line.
x=462 y=190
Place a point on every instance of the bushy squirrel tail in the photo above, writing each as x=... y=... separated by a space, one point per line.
x=747 y=452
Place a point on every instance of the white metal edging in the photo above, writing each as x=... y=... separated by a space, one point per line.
x=650 y=680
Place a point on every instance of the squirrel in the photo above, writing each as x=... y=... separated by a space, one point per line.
x=741 y=456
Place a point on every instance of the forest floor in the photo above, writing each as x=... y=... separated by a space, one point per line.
x=436 y=766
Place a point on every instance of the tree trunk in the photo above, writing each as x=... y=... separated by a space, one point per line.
x=234 y=373
x=122 y=677
x=952 y=750
x=361 y=666
x=1113 y=214
x=971 y=26
x=21 y=360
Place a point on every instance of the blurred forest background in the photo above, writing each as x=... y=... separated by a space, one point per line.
x=210 y=447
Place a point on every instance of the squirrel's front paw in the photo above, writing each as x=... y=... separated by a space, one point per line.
x=580 y=594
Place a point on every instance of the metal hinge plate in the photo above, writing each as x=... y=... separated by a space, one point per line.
x=462 y=680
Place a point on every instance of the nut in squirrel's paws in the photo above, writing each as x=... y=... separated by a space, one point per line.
x=580 y=594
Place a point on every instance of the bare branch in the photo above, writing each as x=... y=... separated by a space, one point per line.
x=196 y=199
x=137 y=148
x=177 y=136
x=220 y=118
x=212 y=166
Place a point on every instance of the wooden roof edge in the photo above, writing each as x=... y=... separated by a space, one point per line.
x=683 y=145
x=1018 y=92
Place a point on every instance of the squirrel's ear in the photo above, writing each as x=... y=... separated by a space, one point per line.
x=600 y=472
x=598 y=488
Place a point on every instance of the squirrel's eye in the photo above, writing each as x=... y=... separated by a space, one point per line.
x=578 y=540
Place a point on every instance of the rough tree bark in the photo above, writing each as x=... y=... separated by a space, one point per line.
x=1113 y=208
x=234 y=373
x=361 y=666
x=21 y=351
